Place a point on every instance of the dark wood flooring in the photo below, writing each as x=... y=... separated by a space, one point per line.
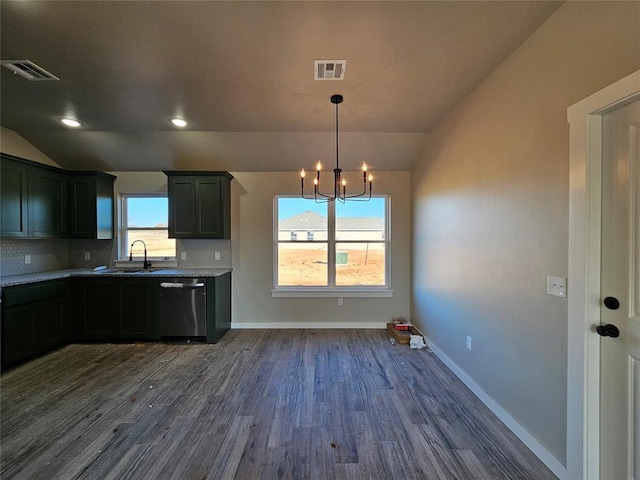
x=261 y=404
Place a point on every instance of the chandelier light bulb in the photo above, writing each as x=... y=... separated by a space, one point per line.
x=318 y=166
x=315 y=181
x=302 y=173
x=370 y=177
x=364 y=167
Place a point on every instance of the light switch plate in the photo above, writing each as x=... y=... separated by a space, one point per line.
x=557 y=286
x=183 y=256
x=27 y=259
x=87 y=255
x=216 y=255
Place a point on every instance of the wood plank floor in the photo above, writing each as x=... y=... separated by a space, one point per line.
x=260 y=404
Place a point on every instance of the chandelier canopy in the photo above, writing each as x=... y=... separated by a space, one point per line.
x=339 y=181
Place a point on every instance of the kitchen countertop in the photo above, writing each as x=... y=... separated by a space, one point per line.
x=112 y=272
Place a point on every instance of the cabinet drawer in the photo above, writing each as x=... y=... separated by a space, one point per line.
x=34 y=292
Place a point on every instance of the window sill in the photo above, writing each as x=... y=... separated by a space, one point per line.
x=311 y=292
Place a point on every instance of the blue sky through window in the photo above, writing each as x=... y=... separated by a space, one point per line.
x=147 y=211
x=287 y=207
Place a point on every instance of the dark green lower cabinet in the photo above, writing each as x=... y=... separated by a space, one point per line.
x=52 y=325
x=95 y=318
x=19 y=341
x=35 y=320
x=39 y=317
x=135 y=316
x=115 y=309
x=218 y=307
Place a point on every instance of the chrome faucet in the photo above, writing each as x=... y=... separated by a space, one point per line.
x=146 y=263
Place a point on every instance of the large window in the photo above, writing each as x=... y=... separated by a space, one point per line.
x=145 y=217
x=331 y=246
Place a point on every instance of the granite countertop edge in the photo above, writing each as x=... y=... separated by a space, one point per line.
x=14 y=280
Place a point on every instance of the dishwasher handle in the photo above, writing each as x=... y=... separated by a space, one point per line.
x=181 y=285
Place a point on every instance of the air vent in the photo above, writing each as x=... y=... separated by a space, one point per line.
x=28 y=70
x=329 y=69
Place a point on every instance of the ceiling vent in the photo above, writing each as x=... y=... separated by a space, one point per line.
x=28 y=70
x=329 y=69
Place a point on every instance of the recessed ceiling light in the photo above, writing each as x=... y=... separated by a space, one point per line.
x=179 y=122
x=70 y=122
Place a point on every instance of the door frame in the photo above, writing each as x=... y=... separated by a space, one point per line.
x=585 y=203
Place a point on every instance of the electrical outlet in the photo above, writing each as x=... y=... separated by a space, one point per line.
x=468 y=342
x=183 y=256
x=216 y=255
x=340 y=302
x=87 y=255
x=27 y=259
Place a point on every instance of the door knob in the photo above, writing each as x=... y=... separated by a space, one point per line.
x=608 y=331
x=611 y=303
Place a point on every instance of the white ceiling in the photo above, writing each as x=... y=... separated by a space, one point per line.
x=242 y=74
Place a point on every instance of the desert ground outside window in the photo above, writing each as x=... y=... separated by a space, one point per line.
x=332 y=248
x=146 y=217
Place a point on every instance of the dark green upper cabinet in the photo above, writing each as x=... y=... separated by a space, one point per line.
x=199 y=204
x=13 y=201
x=47 y=203
x=91 y=205
x=34 y=200
x=39 y=201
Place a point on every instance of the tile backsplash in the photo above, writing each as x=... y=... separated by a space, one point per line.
x=201 y=253
x=101 y=252
x=46 y=255
x=60 y=254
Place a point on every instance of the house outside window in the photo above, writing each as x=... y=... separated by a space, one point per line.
x=145 y=217
x=331 y=247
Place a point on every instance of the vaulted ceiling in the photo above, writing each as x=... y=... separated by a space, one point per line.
x=241 y=73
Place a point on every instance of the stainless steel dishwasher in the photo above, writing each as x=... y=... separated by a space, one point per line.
x=182 y=307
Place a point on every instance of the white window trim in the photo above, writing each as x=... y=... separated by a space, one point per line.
x=333 y=290
x=123 y=250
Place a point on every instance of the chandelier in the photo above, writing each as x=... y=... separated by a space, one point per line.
x=339 y=181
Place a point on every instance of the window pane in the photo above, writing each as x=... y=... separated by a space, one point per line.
x=147 y=212
x=302 y=264
x=301 y=220
x=157 y=241
x=360 y=263
x=361 y=220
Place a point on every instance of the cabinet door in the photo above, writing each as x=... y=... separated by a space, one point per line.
x=91 y=206
x=82 y=207
x=181 y=192
x=135 y=302
x=51 y=323
x=13 y=201
x=19 y=340
x=98 y=310
x=209 y=207
x=47 y=204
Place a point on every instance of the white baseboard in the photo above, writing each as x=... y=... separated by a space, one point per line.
x=334 y=325
x=512 y=424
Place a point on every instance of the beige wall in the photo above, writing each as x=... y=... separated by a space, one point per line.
x=490 y=213
x=13 y=144
x=252 y=244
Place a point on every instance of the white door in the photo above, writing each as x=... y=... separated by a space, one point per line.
x=620 y=302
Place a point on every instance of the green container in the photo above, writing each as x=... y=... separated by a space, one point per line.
x=342 y=258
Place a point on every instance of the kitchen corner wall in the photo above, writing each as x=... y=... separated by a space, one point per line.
x=200 y=252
